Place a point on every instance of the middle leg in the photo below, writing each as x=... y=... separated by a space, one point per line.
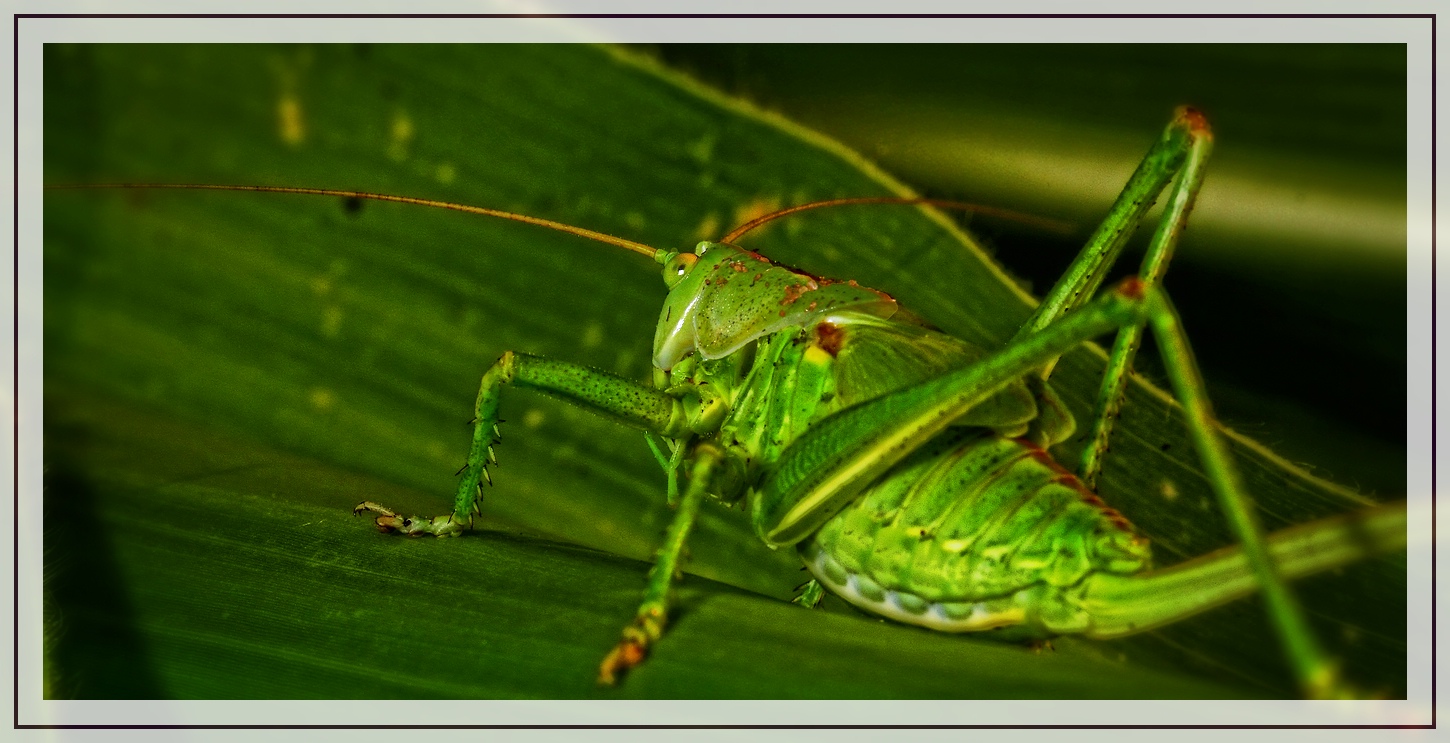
x=653 y=614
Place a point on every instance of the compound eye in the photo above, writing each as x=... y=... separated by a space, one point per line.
x=678 y=268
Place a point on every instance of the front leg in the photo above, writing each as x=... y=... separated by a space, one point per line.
x=389 y=521
x=653 y=614
x=599 y=392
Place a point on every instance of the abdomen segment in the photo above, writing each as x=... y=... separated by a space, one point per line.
x=974 y=532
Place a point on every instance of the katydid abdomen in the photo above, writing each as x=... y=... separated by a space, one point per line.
x=974 y=532
x=911 y=470
x=979 y=528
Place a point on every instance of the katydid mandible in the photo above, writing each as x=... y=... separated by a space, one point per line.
x=909 y=468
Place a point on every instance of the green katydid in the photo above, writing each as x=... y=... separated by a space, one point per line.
x=908 y=467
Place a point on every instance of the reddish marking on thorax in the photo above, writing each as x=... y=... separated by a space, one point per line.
x=829 y=338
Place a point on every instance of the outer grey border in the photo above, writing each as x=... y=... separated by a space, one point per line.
x=1414 y=33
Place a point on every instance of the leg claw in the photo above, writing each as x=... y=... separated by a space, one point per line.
x=630 y=651
x=388 y=521
x=810 y=594
x=626 y=655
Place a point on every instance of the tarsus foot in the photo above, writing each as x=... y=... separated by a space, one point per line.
x=413 y=526
x=810 y=594
x=633 y=647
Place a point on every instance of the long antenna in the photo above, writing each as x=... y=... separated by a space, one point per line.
x=1040 y=222
x=640 y=248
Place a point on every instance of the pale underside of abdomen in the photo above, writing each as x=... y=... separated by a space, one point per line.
x=973 y=532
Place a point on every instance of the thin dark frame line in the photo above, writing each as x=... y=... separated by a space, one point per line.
x=1434 y=63
x=691 y=16
x=15 y=340
x=724 y=727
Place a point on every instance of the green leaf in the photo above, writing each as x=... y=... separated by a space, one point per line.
x=227 y=374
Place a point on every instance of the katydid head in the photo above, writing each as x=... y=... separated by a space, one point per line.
x=723 y=297
x=686 y=279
